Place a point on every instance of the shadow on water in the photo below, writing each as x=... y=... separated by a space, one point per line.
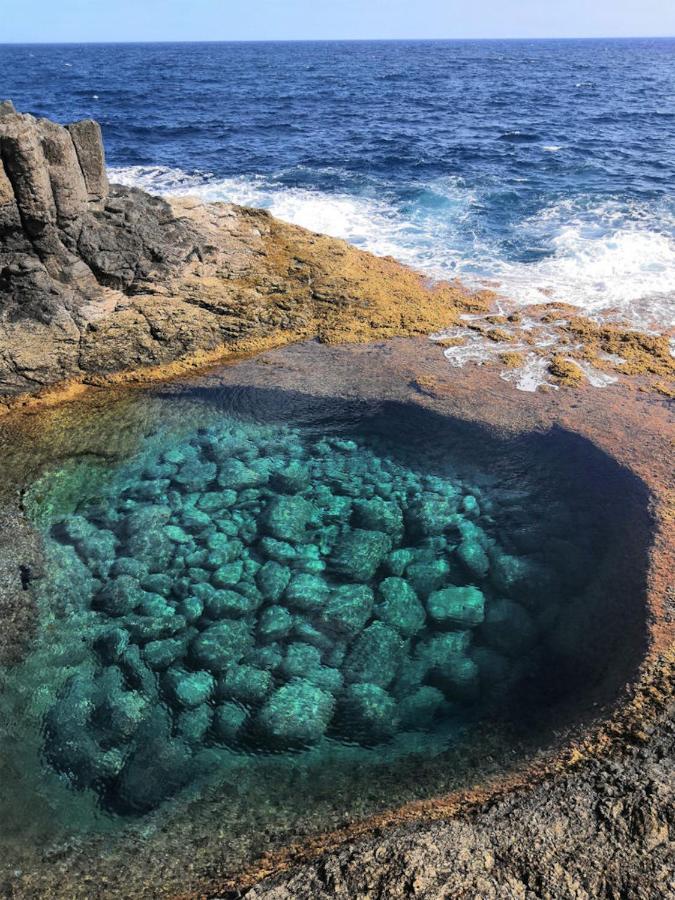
x=288 y=612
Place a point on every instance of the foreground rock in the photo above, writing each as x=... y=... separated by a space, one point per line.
x=97 y=280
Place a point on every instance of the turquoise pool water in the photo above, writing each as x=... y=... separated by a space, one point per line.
x=260 y=589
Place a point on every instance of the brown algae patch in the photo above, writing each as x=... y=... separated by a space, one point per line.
x=512 y=360
x=565 y=371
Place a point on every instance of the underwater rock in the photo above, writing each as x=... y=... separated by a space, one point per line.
x=268 y=657
x=508 y=627
x=471 y=507
x=274 y=623
x=155 y=770
x=245 y=683
x=419 y=709
x=435 y=649
x=375 y=655
x=348 y=609
x=431 y=514
x=400 y=606
x=474 y=558
x=378 y=515
x=152 y=628
x=111 y=643
x=367 y=713
x=286 y=518
x=192 y=725
x=398 y=560
x=296 y=714
x=161 y=654
x=224 y=604
x=292 y=480
x=195 y=475
x=272 y=579
x=280 y=551
x=153 y=548
x=186 y=688
x=306 y=592
x=234 y=475
x=425 y=577
x=220 y=645
x=458 y=607
x=120 y=596
x=358 y=554
x=228 y=575
x=229 y=720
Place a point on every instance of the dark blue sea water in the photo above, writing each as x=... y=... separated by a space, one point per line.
x=547 y=166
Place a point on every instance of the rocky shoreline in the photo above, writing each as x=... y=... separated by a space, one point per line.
x=100 y=284
x=99 y=280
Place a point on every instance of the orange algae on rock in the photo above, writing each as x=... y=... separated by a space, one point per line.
x=565 y=371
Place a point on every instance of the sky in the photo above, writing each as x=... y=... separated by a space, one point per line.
x=171 y=20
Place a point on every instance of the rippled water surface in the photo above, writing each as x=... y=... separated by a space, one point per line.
x=545 y=165
x=288 y=612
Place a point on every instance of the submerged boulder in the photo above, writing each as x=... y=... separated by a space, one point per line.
x=229 y=721
x=285 y=518
x=400 y=606
x=358 y=554
x=245 y=683
x=419 y=709
x=348 y=609
x=508 y=628
x=274 y=623
x=120 y=596
x=221 y=644
x=425 y=577
x=474 y=558
x=307 y=592
x=296 y=714
x=375 y=655
x=272 y=579
x=378 y=515
x=367 y=713
x=457 y=607
x=188 y=689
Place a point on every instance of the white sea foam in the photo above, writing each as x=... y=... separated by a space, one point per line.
x=531 y=375
x=603 y=257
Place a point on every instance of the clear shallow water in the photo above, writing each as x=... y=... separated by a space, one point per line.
x=300 y=610
x=545 y=165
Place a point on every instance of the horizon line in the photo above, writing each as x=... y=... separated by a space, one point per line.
x=607 y=37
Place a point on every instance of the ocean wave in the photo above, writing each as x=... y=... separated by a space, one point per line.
x=519 y=137
x=607 y=257
x=604 y=257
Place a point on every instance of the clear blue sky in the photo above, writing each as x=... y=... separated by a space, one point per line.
x=165 y=20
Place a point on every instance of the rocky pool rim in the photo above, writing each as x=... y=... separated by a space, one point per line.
x=640 y=701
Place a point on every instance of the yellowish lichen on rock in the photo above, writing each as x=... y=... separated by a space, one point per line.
x=512 y=359
x=499 y=335
x=641 y=354
x=565 y=371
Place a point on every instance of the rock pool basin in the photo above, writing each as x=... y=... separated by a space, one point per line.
x=289 y=611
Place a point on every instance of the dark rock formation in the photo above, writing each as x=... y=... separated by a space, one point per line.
x=97 y=279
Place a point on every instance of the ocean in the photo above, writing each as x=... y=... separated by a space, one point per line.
x=542 y=168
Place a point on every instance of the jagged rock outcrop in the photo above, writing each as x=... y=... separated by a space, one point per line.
x=97 y=279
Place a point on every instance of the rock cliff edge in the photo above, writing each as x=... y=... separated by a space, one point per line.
x=98 y=279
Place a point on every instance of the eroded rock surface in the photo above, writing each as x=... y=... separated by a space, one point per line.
x=603 y=832
x=96 y=280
